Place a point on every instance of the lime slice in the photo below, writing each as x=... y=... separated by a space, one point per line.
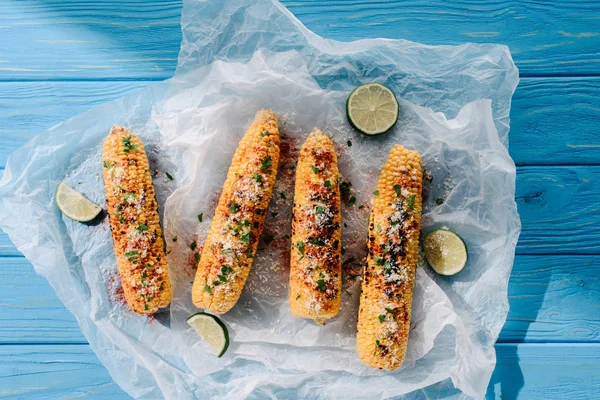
x=372 y=109
x=445 y=251
x=212 y=330
x=74 y=205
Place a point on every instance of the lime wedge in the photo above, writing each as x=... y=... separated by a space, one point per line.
x=372 y=109
x=212 y=330
x=445 y=251
x=74 y=205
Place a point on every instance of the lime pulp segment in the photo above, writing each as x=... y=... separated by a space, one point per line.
x=372 y=108
x=445 y=251
x=212 y=330
x=74 y=205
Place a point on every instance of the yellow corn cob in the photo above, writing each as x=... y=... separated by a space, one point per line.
x=315 y=273
x=134 y=222
x=389 y=275
x=239 y=218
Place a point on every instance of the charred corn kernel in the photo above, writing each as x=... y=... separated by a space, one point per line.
x=239 y=218
x=134 y=222
x=389 y=275
x=315 y=273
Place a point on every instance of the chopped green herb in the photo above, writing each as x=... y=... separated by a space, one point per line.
x=225 y=269
x=282 y=195
x=233 y=208
x=349 y=143
x=286 y=236
x=226 y=251
x=216 y=283
x=328 y=184
x=193 y=245
x=321 y=275
x=345 y=189
x=387 y=268
x=345 y=225
x=148 y=266
x=244 y=223
x=300 y=247
x=439 y=201
x=200 y=217
x=131 y=162
x=411 y=202
x=398 y=190
x=319 y=210
x=361 y=207
x=207 y=289
x=132 y=256
x=245 y=237
x=144 y=283
x=377 y=342
x=378 y=260
x=146 y=307
x=197 y=257
x=321 y=285
x=129 y=195
x=376 y=192
x=264 y=133
x=390 y=311
x=222 y=278
x=297 y=297
x=348 y=293
x=258 y=178
x=128 y=145
x=274 y=214
x=109 y=164
x=174 y=239
x=314 y=169
x=317 y=241
x=169 y=176
x=351 y=201
x=268 y=238
x=141 y=227
x=266 y=163
x=381 y=317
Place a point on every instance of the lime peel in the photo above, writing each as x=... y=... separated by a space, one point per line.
x=445 y=251
x=74 y=204
x=212 y=330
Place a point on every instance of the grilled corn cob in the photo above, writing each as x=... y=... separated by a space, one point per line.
x=389 y=275
x=315 y=273
x=134 y=222
x=239 y=218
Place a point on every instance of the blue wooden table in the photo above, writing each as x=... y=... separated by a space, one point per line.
x=61 y=57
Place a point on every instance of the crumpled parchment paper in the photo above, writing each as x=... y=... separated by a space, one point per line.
x=237 y=58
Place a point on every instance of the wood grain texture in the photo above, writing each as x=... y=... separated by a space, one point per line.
x=81 y=39
x=559 y=208
x=138 y=39
x=541 y=134
x=546 y=371
x=528 y=371
x=552 y=298
x=54 y=372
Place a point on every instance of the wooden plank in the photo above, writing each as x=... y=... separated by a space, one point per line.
x=559 y=209
x=546 y=371
x=54 y=372
x=137 y=39
x=552 y=298
x=541 y=133
x=530 y=371
x=78 y=39
x=555 y=121
x=558 y=206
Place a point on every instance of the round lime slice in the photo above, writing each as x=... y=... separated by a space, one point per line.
x=372 y=109
x=445 y=251
x=74 y=205
x=212 y=330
